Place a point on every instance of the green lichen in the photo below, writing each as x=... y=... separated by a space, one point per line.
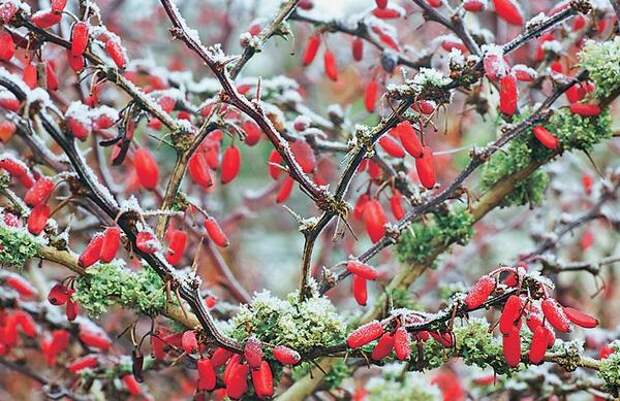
x=17 y=246
x=610 y=369
x=393 y=387
x=104 y=285
x=602 y=60
x=402 y=298
x=573 y=131
x=442 y=228
x=301 y=325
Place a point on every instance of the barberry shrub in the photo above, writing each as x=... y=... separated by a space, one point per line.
x=188 y=190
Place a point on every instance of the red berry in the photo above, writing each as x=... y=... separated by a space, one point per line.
x=111 y=244
x=538 y=346
x=38 y=219
x=262 y=379
x=177 y=241
x=231 y=164
x=206 y=375
x=189 y=343
x=7 y=46
x=39 y=192
x=29 y=75
x=360 y=290
x=384 y=347
x=147 y=242
x=71 y=310
x=363 y=270
x=285 y=355
x=509 y=11
x=402 y=344
x=146 y=168
x=585 y=109
x=79 y=128
x=26 y=322
x=508 y=94
x=365 y=334
x=274 y=161
x=474 y=6
x=391 y=147
x=58 y=5
x=426 y=169
x=511 y=343
x=511 y=314
x=480 y=292
x=85 y=362
x=215 y=232
x=52 y=79
x=312 y=48
x=116 y=53
x=357 y=48
x=91 y=254
x=220 y=357
x=375 y=220
x=386 y=13
x=329 y=62
x=396 y=205
x=94 y=339
x=580 y=318
x=58 y=295
x=79 y=38
x=253 y=352
x=252 y=132
x=304 y=155
x=285 y=190
x=555 y=315
x=236 y=383
x=20 y=285
x=545 y=137
x=199 y=170
x=370 y=95
x=45 y=19
x=132 y=385
x=381 y=3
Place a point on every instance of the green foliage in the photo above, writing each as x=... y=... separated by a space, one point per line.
x=103 y=285
x=301 y=325
x=441 y=228
x=411 y=387
x=602 y=60
x=17 y=246
x=610 y=369
x=573 y=131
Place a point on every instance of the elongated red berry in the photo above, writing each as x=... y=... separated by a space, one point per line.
x=274 y=161
x=79 y=38
x=91 y=254
x=580 y=318
x=480 y=292
x=110 y=244
x=511 y=314
x=575 y=93
x=360 y=290
x=116 y=53
x=58 y=5
x=94 y=339
x=384 y=347
x=71 y=310
x=231 y=164
x=585 y=109
x=374 y=219
x=215 y=232
x=252 y=132
x=545 y=137
x=131 y=384
x=7 y=46
x=509 y=11
x=555 y=315
x=253 y=352
x=538 y=345
x=396 y=205
x=474 y=6
x=52 y=79
x=20 y=285
x=370 y=95
x=237 y=385
x=189 y=343
x=38 y=219
x=286 y=188
x=391 y=147
x=45 y=18
x=329 y=62
x=29 y=75
x=363 y=270
x=77 y=63
x=381 y=3
x=511 y=344
x=206 y=375
x=220 y=357
x=58 y=295
x=79 y=128
x=286 y=355
x=311 y=49
x=85 y=362
x=357 y=49
x=26 y=322
x=262 y=379
x=146 y=168
x=402 y=344
x=365 y=334
x=387 y=13
x=147 y=242
x=304 y=155
x=425 y=168
x=177 y=241
x=199 y=170
x=508 y=94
